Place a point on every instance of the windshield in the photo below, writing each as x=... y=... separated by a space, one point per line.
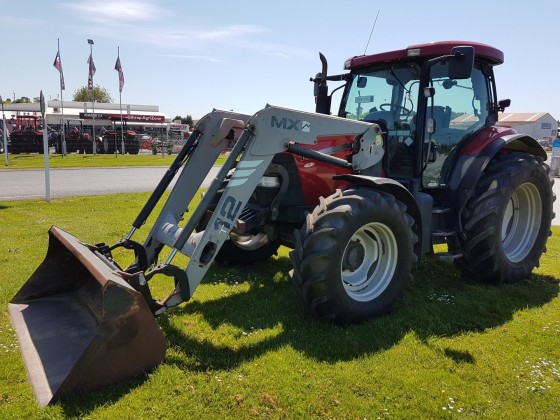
x=387 y=95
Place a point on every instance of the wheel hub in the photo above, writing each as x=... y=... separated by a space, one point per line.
x=354 y=256
x=521 y=222
x=369 y=261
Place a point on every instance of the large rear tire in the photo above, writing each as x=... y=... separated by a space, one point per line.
x=507 y=221
x=354 y=256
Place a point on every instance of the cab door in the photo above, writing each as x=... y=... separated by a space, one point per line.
x=455 y=111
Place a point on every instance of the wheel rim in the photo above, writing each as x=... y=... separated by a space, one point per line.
x=521 y=222
x=369 y=262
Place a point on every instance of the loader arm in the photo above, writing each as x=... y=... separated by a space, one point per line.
x=267 y=133
x=214 y=130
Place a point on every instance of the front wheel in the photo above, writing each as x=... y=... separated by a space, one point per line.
x=354 y=256
x=507 y=221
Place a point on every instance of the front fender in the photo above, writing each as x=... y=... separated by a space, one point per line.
x=396 y=189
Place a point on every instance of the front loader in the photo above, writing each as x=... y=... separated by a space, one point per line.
x=412 y=160
x=84 y=321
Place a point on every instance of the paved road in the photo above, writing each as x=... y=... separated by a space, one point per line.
x=25 y=184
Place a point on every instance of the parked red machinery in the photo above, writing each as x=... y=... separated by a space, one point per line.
x=27 y=135
x=114 y=138
x=77 y=140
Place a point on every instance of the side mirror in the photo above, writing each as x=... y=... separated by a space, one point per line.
x=503 y=104
x=461 y=62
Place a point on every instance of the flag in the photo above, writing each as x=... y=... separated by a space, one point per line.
x=91 y=72
x=58 y=65
x=118 y=68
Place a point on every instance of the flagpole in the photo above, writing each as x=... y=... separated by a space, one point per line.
x=63 y=145
x=4 y=133
x=94 y=143
x=46 y=148
x=120 y=102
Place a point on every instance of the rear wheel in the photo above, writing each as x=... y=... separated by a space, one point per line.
x=507 y=222
x=354 y=256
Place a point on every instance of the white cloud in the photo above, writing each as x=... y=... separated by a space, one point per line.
x=148 y=23
x=118 y=11
x=226 y=32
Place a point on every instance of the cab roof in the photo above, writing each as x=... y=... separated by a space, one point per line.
x=483 y=52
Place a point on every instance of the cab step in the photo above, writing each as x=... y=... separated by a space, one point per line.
x=448 y=256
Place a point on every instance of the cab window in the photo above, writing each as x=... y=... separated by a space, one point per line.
x=457 y=109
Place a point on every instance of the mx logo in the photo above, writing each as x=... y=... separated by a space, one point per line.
x=289 y=124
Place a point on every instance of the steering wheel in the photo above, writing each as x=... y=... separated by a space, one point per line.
x=397 y=110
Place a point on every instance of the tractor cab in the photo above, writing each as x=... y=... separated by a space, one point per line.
x=428 y=99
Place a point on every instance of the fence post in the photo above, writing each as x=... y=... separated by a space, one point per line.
x=555 y=159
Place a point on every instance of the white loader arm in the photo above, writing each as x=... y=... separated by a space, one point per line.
x=268 y=132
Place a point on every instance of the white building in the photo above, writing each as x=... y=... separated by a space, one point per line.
x=540 y=125
x=138 y=117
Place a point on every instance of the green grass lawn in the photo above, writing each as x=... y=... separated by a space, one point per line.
x=75 y=160
x=242 y=348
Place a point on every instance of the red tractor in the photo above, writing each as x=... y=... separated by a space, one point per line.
x=412 y=159
x=27 y=135
x=113 y=139
x=76 y=139
x=448 y=176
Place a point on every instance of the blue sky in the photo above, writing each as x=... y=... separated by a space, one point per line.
x=190 y=57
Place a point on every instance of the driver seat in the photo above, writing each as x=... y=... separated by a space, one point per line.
x=442 y=115
x=384 y=116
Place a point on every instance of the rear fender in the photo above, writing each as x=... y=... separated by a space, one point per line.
x=473 y=161
x=397 y=190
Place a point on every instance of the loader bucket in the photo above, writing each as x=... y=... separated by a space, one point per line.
x=79 y=325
